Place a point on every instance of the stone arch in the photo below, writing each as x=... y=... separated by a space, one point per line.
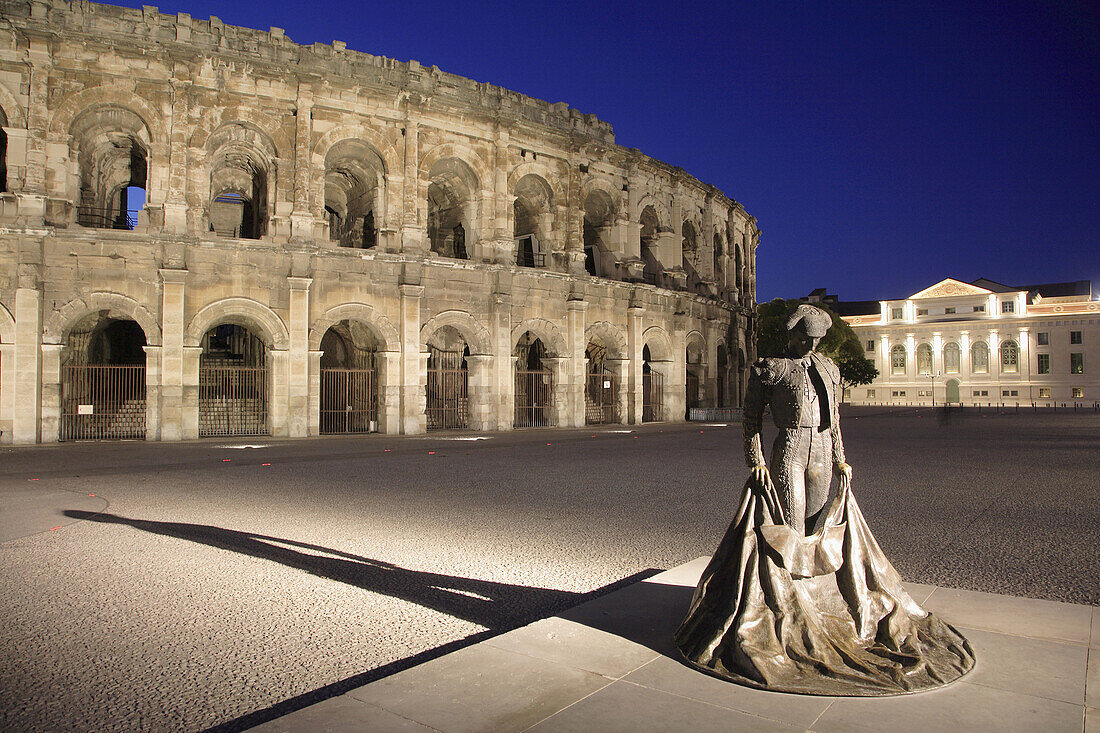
x=241 y=162
x=534 y=168
x=353 y=192
x=217 y=118
x=464 y=153
x=14 y=112
x=386 y=149
x=547 y=332
x=251 y=314
x=7 y=326
x=476 y=335
x=610 y=335
x=119 y=306
x=454 y=204
x=660 y=210
x=377 y=322
x=695 y=343
x=79 y=102
x=659 y=343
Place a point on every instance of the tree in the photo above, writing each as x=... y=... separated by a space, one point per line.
x=840 y=343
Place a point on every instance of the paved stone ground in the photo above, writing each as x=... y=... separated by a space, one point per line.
x=199 y=586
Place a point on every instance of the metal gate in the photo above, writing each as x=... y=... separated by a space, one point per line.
x=692 y=396
x=448 y=383
x=102 y=402
x=601 y=399
x=349 y=401
x=232 y=400
x=533 y=387
x=653 y=387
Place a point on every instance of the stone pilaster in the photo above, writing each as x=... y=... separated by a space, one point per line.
x=412 y=229
x=278 y=369
x=298 y=368
x=301 y=220
x=152 y=392
x=500 y=331
x=175 y=203
x=28 y=365
x=413 y=419
x=173 y=287
x=50 y=425
x=314 y=417
x=574 y=368
x=7 y=391
x=632 y=385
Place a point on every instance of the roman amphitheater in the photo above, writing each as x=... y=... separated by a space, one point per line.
x=211 y=230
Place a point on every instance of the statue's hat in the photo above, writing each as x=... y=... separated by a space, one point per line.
x=816 y=321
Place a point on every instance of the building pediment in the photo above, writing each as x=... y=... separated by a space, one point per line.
x=949 y=288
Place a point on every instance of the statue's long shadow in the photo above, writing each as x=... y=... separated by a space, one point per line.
x=497 y=606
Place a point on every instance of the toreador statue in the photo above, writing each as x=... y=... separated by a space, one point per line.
x=798 y=596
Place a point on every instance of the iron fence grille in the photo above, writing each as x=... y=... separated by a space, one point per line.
x=232 y=400
x=653 y=386
x=447 y=387
x=102 y=402
x=601 y=399
x=692 y=397
x=349 y=401
x=533 y=398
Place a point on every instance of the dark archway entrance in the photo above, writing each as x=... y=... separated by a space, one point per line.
x=349 y=379
x=952 y=397
x=534 y=383
x=653 y=390
x=103 y=380
x=447 y=390
x=233 y=382
x=601 y=392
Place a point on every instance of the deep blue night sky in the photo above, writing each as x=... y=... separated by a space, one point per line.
x=881 y=148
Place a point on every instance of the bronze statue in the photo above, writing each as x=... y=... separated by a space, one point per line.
x=795 y=601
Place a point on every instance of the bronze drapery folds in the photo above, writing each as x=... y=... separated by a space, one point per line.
x=821 y=615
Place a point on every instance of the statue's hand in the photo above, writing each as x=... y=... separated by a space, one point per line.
x=843 y=469
x=759 y=476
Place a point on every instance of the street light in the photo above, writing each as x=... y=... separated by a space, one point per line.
x=933 y=378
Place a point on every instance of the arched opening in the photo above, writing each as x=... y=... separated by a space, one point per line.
x=689 y=246
x=718 y=251
x=1010 y=354
x=952 y=395
x=599 y=216
x=349 y=379
x=601 y=394
x=653 y=390
x=897 y=359
x=979 y=358
x=233 y=382
x=103 y=380
x=241 y=162
x=924 y=359
x=111 y=146
x=534 y=383
x=531 y=220
x=452 y=207
x=354 y=191
x=693 y=376
x=3 y=152
x=651 y=272
x=952 y=360
x=447 y=389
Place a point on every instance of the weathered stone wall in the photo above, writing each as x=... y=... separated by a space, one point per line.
x=304 y=143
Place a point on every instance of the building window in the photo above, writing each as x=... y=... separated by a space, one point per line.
x=897 y=359
x=1044 y=391
x=1076 y=363
x=1009 y=356
x=922 y=311
x=1077 y=392
x=899 y=393
x=951 y=358
x=979 y=309
x=924 y=393
x=979 y=357
x=1008 y=306
x=1010 y=393
x=1075 y=337
x=1042 y=338
x=949 y=311
x=981 y=393
x=1043 y=364
x=897 y=314
x=870 y=393
x=870 y=346
x=924 y=359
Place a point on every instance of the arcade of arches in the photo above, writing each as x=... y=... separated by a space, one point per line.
x=216 y=243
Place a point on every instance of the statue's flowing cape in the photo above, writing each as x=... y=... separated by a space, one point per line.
x=821 y=615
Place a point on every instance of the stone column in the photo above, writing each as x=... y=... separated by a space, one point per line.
x=175 y=203
x=171 y=354
x=480 y=392
x=314 y=416
x=7 y=391
x=152 y=392
x=191 y=357
x=504 y=250
x=574 y=369
x=28 y=364
x=301 y=219
x=298 y=377
x=389 y=391
x=413 y=419
x=500 y=331
x=51 y=393
x=412 y=229
x=278 y=393
x=633 y=384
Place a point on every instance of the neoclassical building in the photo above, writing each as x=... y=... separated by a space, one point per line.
x=211 y=230
x=981 y=343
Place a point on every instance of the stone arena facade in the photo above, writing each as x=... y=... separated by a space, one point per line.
x=211 y=230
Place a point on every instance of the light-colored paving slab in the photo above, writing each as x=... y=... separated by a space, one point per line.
x=919 y=592
x=1092 y=679
x=1013 y=615
x=610 y=665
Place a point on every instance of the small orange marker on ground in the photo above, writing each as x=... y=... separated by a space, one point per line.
x=91 y=494
x=54 y=529
x=265 y=464
x=226 y=460
x=431 y=453
x=32 y=479
x=387 y=450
